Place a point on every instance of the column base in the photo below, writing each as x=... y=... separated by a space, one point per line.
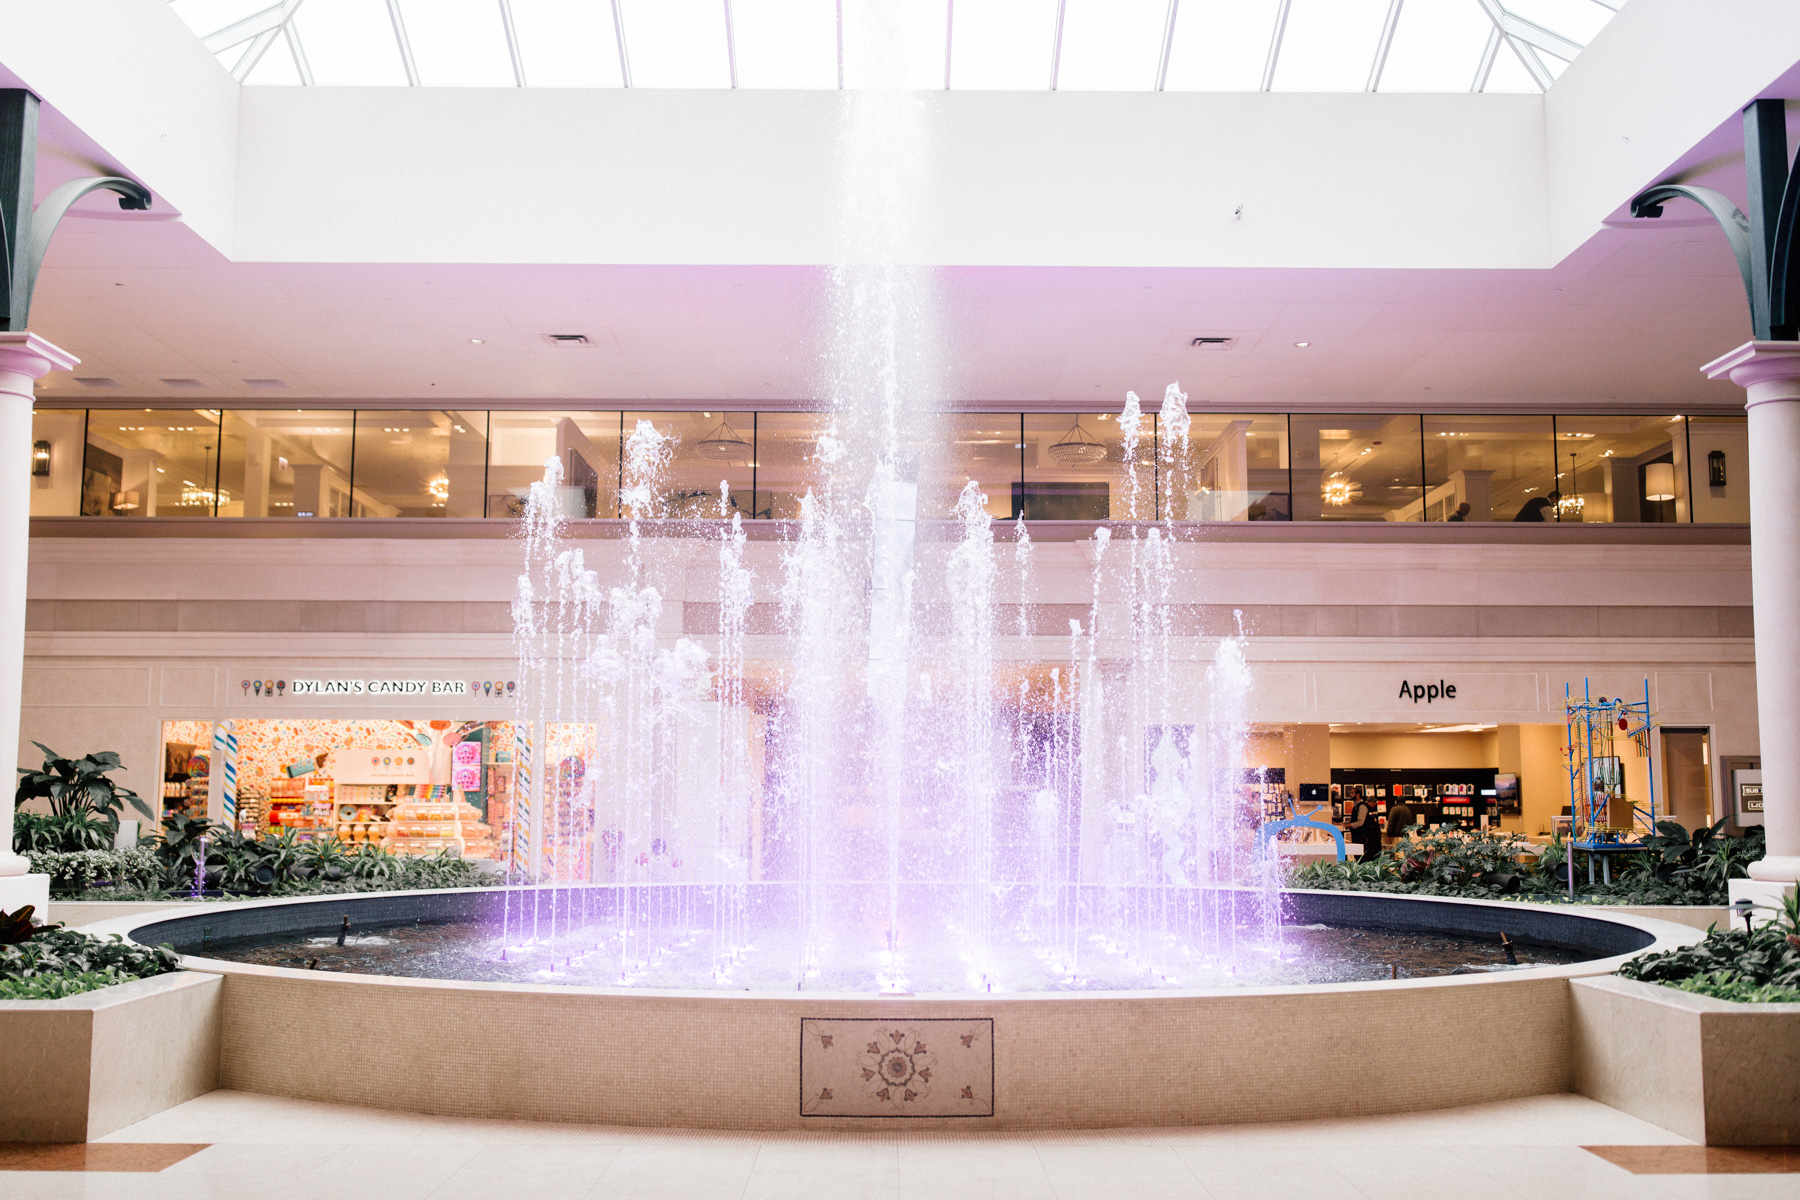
x=16 y=891
x=1776 y=868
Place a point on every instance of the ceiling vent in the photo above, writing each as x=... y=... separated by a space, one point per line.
x=96 y=381
x=1213 y=343
x=182 y=383
x=266 y=383
x=566 y=339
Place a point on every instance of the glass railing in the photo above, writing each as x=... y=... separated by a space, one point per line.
x=188 y=462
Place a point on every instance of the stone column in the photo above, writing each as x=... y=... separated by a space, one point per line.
x=25 y=358
x=1770 y=373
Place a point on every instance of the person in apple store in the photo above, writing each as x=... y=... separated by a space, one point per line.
x=1400 y=818
x=1365 y=828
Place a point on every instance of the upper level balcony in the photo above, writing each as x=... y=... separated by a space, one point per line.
x=248 y=471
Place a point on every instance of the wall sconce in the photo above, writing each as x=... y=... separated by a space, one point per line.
x=40 y=459
x=1659 y=481
x=1715 y=468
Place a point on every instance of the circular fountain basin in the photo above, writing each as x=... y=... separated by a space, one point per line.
x=808 y=1059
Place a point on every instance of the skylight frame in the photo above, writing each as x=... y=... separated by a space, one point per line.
x=242 y=45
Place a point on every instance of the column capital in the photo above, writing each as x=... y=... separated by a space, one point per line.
x=1757 y=362
x=26 y=353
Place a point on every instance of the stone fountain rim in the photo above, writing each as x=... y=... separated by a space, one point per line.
x=1667 y=935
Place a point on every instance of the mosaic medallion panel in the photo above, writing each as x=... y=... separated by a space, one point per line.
x=928 y=1067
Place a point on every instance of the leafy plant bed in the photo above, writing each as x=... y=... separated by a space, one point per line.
x=48 y=962
x=73 y=845
x=1676 y=868
x=237 y=866
x=1758 y=966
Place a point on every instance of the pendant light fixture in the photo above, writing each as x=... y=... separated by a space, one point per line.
x=723 y=445
x=1340 y=489
x=1077 y=448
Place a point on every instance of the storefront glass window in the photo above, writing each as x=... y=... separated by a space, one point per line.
x=159 y=462
x=1075 y=470
x=1719 y=468
x=56 y=454
x=419 y=464
x=1350 y=467
x=285 y=463
x=1235 y=469
x=1495 y=465
x=586 y=442
x=786 y=461
x=1621 y=469
x=704 y=449
x=984 y=448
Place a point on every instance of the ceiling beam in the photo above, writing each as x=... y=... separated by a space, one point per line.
x=1485 y=67
x=256 y=24
x=253 y=53
x=1536 y=36
x=619 y=37
x=404 y=42
x=1384 y=45
x=1281 y=19
x=299 y=52
x=512 y=43
x=730 y=44
x=1168 y=45
x=949 y=37
x=1503 y=23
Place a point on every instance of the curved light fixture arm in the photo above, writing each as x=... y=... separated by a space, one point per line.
x=1731 y=219
x=1784 y=262
x=133 y=196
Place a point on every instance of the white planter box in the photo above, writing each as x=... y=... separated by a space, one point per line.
x=78 y=1068
x=1710 y=1070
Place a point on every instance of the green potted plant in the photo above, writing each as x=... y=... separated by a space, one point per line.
x=84 y=801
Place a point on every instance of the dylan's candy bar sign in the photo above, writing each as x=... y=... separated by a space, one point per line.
x=281 y=689
x=380 y=688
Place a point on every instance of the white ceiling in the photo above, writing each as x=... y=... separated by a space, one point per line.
x=1626 y=320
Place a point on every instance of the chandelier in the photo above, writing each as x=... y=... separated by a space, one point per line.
x=1077 y=447
x=439 y=489
x=1340 y=489
x=1570 y=506
x=723 y=445
x=194 y=495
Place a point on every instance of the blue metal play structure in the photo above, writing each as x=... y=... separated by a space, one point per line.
x=1603 y=820
x=1270 y=830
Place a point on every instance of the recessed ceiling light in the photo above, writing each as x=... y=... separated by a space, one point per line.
x=1302 y=345
x=474 y=341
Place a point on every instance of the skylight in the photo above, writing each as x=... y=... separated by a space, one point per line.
x=1016 y=45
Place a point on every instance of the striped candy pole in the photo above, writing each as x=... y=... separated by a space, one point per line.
x=225 y=769
x=521 y=797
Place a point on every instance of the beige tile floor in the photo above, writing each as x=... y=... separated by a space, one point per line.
x=264 y=1148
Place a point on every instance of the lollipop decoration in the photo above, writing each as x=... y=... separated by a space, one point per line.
x=246 y=689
